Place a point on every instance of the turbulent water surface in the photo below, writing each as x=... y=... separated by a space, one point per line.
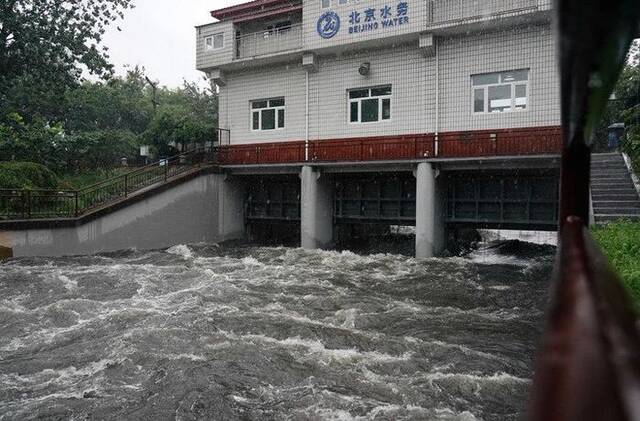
x=224 y=333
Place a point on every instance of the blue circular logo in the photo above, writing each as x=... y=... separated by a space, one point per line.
x=328 y=24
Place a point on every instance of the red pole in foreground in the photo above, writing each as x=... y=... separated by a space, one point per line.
x=588 y=367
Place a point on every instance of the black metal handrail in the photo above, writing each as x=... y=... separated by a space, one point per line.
x=31 y=204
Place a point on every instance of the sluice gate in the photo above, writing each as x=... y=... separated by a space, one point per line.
x=526 y=202
x=272 y=209
x=275 y=198
x=380 y=198
x=471 y=199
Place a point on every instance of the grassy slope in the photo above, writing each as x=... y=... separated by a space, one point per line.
x=621 y=243
x=88 y=178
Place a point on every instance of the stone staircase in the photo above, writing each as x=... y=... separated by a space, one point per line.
x=613 y=193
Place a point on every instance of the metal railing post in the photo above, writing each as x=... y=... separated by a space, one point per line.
x=23 y=199
x=166 y=170
x=494 y=137
x=28 y=203
x=75 y=211
x=126 y=185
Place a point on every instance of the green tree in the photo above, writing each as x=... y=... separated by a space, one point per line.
x=50 y=115
x=44 y=47
x=26 y=175
x=201 y=102
x=163 y=132
x=624 y=107
x=117 y=104
x=628 y=106
x=34 y=141
x=98 y=149
x=186 y=117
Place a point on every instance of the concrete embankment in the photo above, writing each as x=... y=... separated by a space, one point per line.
x=202 y=209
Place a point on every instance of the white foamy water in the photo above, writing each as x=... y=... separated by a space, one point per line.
x=215 y=332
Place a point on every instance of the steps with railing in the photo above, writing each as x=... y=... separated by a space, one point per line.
x=39 y=204
x=613 y=194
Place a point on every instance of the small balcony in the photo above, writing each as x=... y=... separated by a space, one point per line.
x=269 y=41
x=443 y=12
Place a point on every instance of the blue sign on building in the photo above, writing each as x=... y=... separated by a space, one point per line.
x=365 y=20
x=328 y=24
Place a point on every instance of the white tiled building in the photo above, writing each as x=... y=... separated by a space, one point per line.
x=313 y=70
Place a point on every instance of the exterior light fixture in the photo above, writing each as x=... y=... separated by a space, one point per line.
x=364 y=69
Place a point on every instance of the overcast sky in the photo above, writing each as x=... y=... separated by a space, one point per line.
x=160 y=35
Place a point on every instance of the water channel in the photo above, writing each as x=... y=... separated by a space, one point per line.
x=241 y=332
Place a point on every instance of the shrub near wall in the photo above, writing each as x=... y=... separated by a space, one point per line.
x=621 y=244
x=19 y=175
x=631 y=146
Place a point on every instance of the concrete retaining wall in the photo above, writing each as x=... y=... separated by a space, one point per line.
x=187 y=213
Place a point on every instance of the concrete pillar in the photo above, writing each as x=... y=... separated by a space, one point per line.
x=430 y=229
x=231 y=196
x=316 y=224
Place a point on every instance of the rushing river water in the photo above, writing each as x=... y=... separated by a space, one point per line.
x=224 y=333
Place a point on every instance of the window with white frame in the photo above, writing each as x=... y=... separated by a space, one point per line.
x=325 y=4
x=267 y=114
x=500 y=92
x=214 y=42
x=370 y=105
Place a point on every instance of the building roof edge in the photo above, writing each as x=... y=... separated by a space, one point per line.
x=249 y=7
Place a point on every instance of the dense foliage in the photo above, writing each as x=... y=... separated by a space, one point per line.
x=35 y=141
x=625 y=108
x=44 y=47
x=106 y=121
x=184 y=117
x=50 y=115
x=621 y=243
x=98 y=149
x=26 y=175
